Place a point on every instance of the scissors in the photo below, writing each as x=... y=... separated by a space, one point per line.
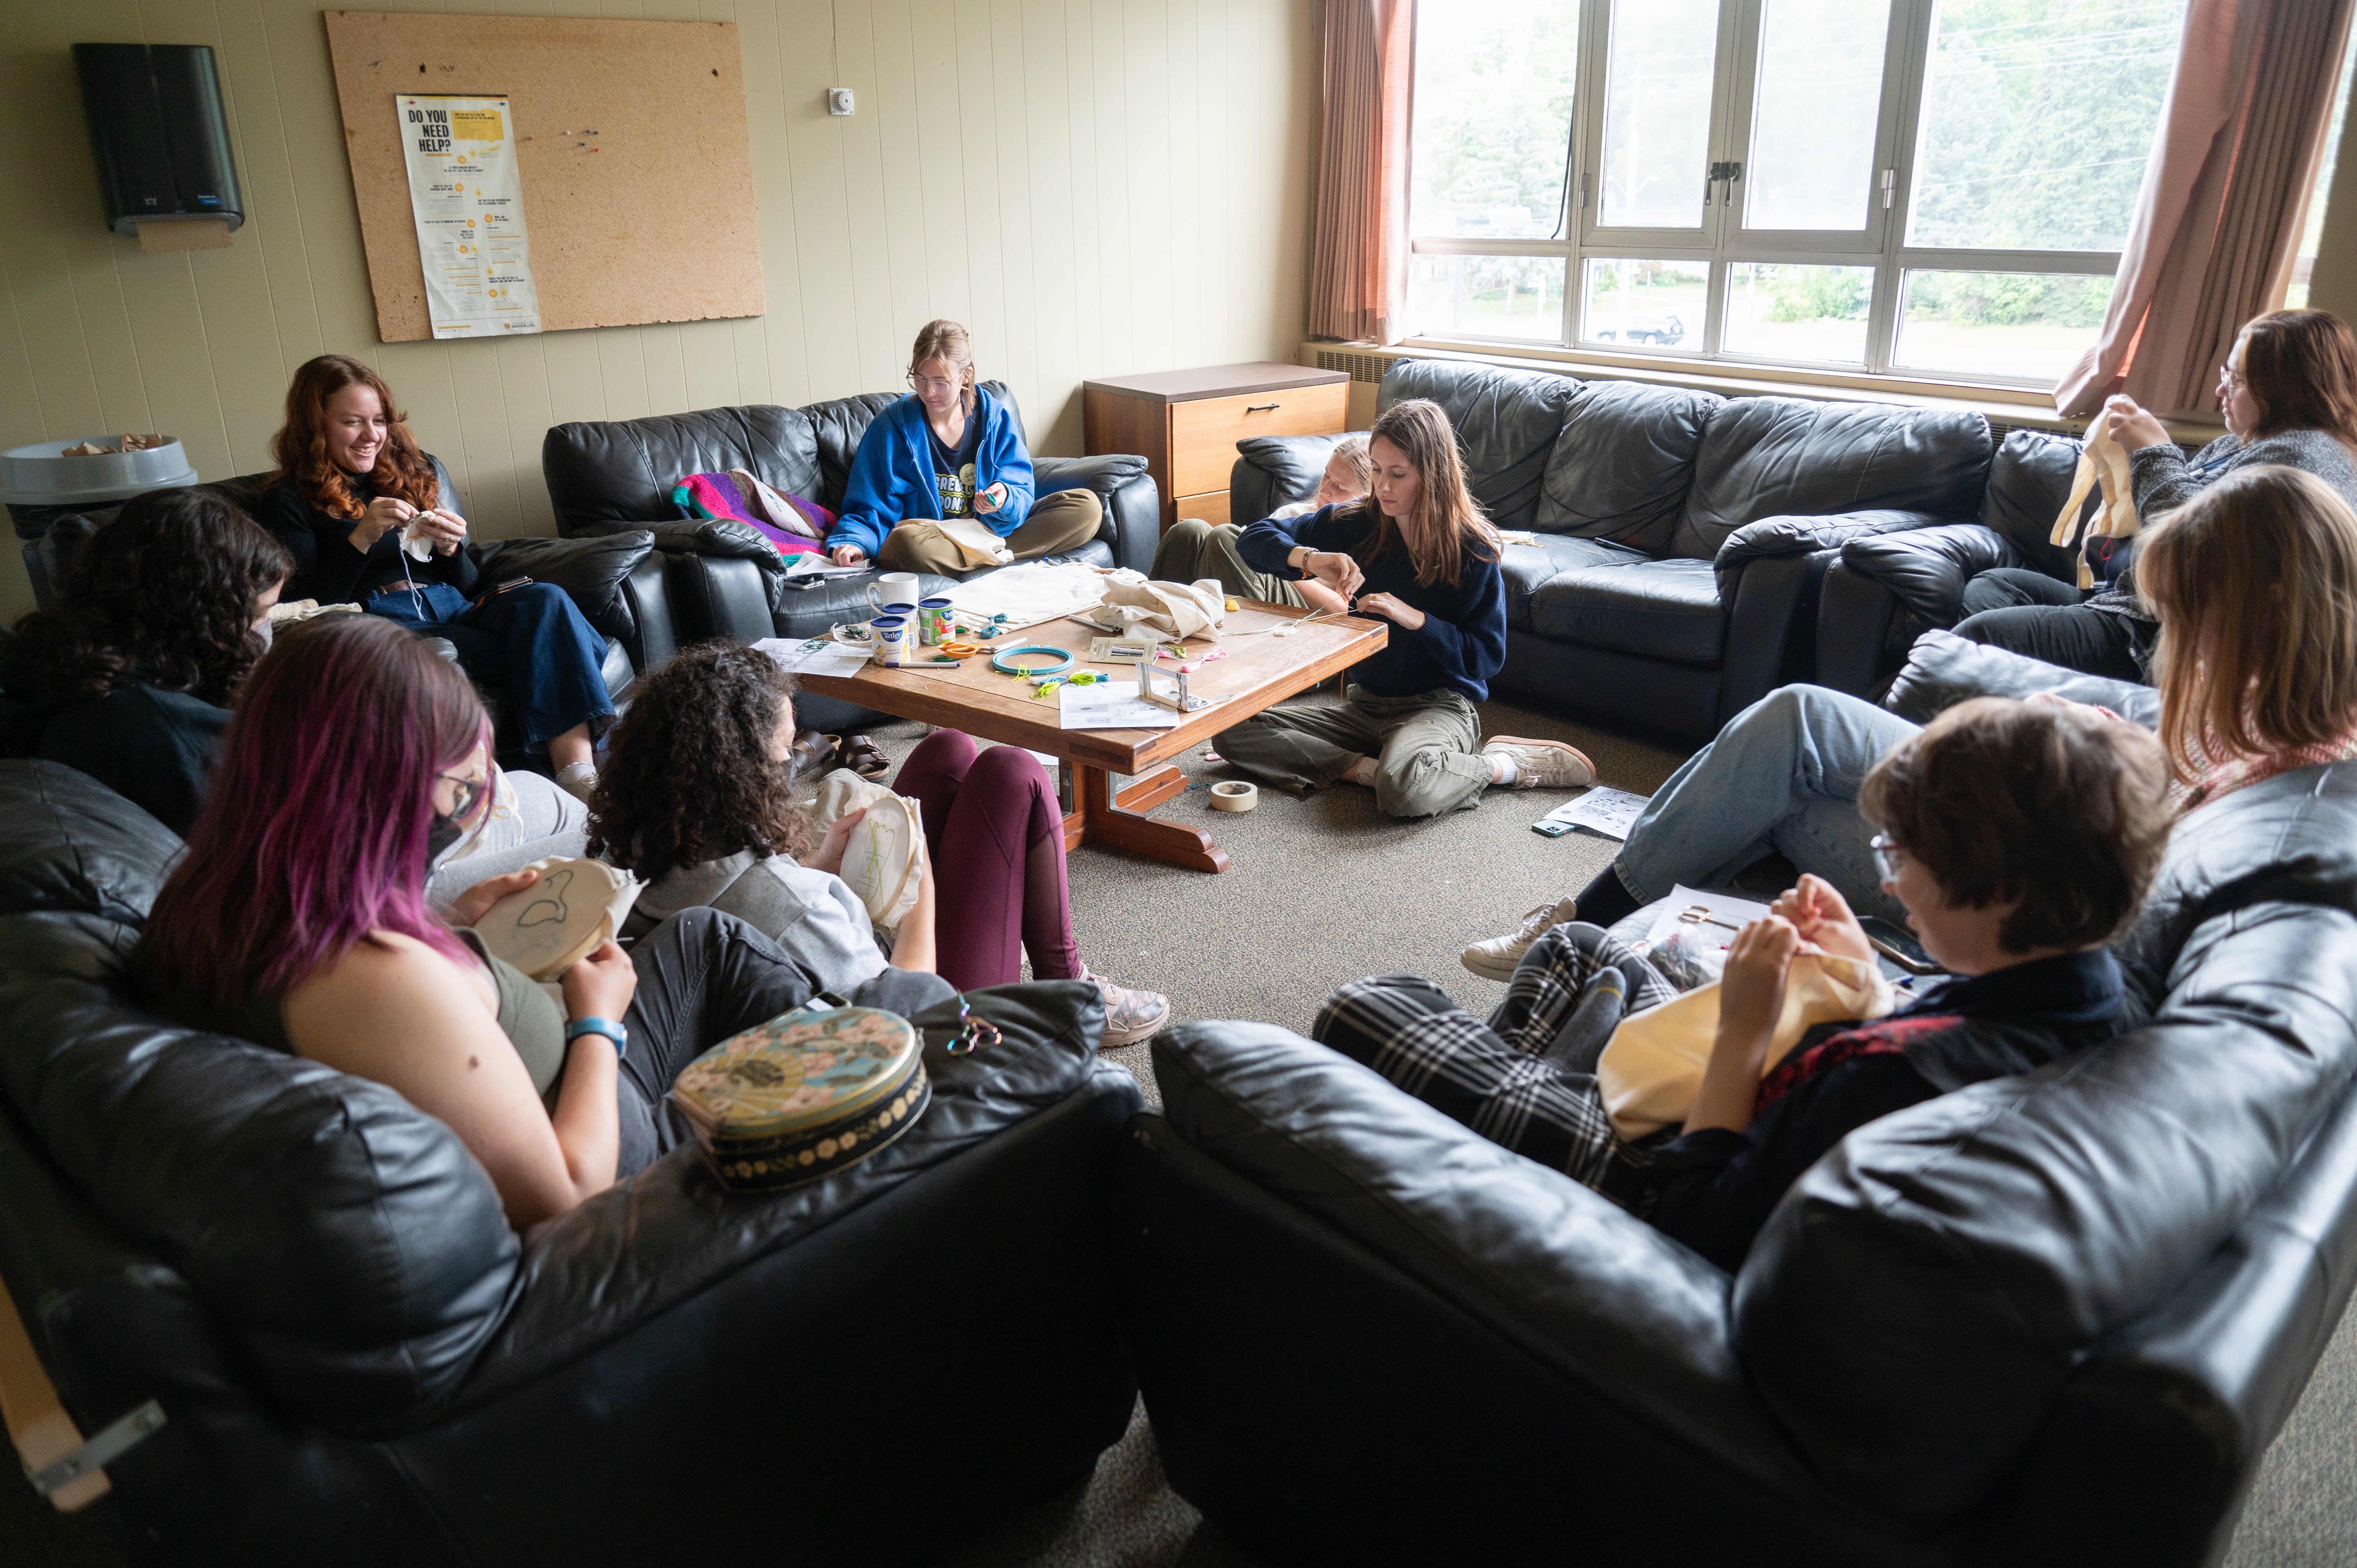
x=1698 y=915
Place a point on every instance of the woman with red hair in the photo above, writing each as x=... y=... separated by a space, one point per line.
x=374 y=521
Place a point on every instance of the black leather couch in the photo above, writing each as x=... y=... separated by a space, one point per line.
x=361 y=1363
x=1888 y=590
x=2049 y=1319
x=616 y=579
x=726 y=578
x=1683 y=536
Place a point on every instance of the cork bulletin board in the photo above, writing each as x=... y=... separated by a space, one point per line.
x=631 y=140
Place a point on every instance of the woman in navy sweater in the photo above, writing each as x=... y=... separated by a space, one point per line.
x=1417 y=552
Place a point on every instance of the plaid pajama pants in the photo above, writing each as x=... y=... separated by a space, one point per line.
x=1526 y=1079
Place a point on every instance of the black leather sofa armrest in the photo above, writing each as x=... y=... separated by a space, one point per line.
x=602 y=1270
x=593 y=571
x=1613 y=1310
x=1271 y=471
x=1944 y=669
x=1926 y=568
x=698 y=536
x=1133 y=506
x=1105 y=473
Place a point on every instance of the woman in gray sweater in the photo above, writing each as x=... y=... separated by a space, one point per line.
x=2289 y=392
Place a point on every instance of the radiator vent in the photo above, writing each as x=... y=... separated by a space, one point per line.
x=1362 y=367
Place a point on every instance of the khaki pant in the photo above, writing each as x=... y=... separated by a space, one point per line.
x=1065 y=521
x=1193 y=549
x=1428 y=746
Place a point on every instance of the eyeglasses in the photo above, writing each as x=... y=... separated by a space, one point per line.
x=470 y=794
x=1887 y=857
x=2228 y=380
x=933 y=383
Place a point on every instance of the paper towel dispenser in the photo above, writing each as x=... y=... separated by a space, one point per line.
x=161 y=138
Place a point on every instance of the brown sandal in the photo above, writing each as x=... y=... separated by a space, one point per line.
x=863 y=756
x=815 y=752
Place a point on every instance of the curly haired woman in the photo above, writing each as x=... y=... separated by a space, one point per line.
x=697 y=800
x=352 y=483
x=129 y=678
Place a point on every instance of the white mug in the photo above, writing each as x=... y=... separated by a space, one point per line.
x=893 y=588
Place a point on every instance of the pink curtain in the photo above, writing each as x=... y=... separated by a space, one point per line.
x=1358 y=271
x=2217 y=223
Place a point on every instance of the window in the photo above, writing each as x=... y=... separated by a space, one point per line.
x=1934 y=187
x=2312 y=230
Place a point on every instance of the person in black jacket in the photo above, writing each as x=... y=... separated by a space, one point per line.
x=129 y=678
x=372 y=521
x=2020 y=837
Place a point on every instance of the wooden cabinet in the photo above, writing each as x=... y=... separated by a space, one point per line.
x=1186 y=423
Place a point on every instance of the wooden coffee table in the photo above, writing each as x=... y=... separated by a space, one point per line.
x=1259 y=670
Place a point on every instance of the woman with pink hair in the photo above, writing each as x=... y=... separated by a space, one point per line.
x=298 y=919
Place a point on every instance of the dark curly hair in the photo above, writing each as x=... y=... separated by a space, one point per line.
x=165 y=593
x=688 y=774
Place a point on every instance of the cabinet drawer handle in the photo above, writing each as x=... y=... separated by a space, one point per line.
x=1261 y=407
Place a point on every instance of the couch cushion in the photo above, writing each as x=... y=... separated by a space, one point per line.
x=2029 y=481
x=1766 y=456
x=69 y=844
x=1506 y=423
x=1624 y=462
x=839 y=423
x=623 y=470
x=1664 y=610
x=1526 y=566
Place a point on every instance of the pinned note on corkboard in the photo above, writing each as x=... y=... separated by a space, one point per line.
x=631 y=138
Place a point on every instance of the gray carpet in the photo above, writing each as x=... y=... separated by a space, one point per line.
x=1322 y=891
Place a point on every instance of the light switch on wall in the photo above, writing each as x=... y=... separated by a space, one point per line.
x=838 y=101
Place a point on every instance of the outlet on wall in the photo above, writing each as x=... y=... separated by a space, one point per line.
x=838 y=101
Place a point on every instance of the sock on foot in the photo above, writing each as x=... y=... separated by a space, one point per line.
x=1502 y=770
x=1606 y=899
x=578 y=779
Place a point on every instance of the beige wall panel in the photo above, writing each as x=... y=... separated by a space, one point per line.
x=1094 y=187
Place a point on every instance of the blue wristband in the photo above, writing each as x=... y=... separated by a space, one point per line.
x=594 y=1025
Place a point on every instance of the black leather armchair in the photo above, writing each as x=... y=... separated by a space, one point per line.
x=724 y=578
x=359 y=1361
x=1886 y=591
x=2049 y=1319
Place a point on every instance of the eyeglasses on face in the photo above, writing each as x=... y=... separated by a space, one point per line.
x=469 y=795
x=935 y=383
x=1889 y=858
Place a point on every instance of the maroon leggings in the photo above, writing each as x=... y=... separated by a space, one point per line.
x=996 y=837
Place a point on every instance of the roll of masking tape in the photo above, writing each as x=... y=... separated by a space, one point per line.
x=1233 y=795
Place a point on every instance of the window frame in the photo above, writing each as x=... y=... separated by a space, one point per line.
x=1722 y=243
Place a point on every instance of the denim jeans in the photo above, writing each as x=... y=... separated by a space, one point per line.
x=1783 y=776
x=531 y=645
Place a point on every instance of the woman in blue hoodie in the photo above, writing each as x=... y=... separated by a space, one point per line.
x=942 y=482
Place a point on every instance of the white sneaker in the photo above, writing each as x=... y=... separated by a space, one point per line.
x=1131 y=1014
x=578 y=779
x=1496 y=959
x=1543 y=764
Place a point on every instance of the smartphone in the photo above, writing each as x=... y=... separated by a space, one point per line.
x=1550 y=830
x=1899 y=945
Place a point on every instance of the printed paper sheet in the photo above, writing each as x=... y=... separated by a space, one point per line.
x=1110 y=704
x=813 y=656
x=1612 y=813
x=468 y=199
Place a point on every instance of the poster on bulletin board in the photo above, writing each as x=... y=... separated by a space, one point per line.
x=468 y=199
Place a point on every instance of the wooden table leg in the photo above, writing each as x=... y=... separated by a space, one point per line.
x=1104 y=818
